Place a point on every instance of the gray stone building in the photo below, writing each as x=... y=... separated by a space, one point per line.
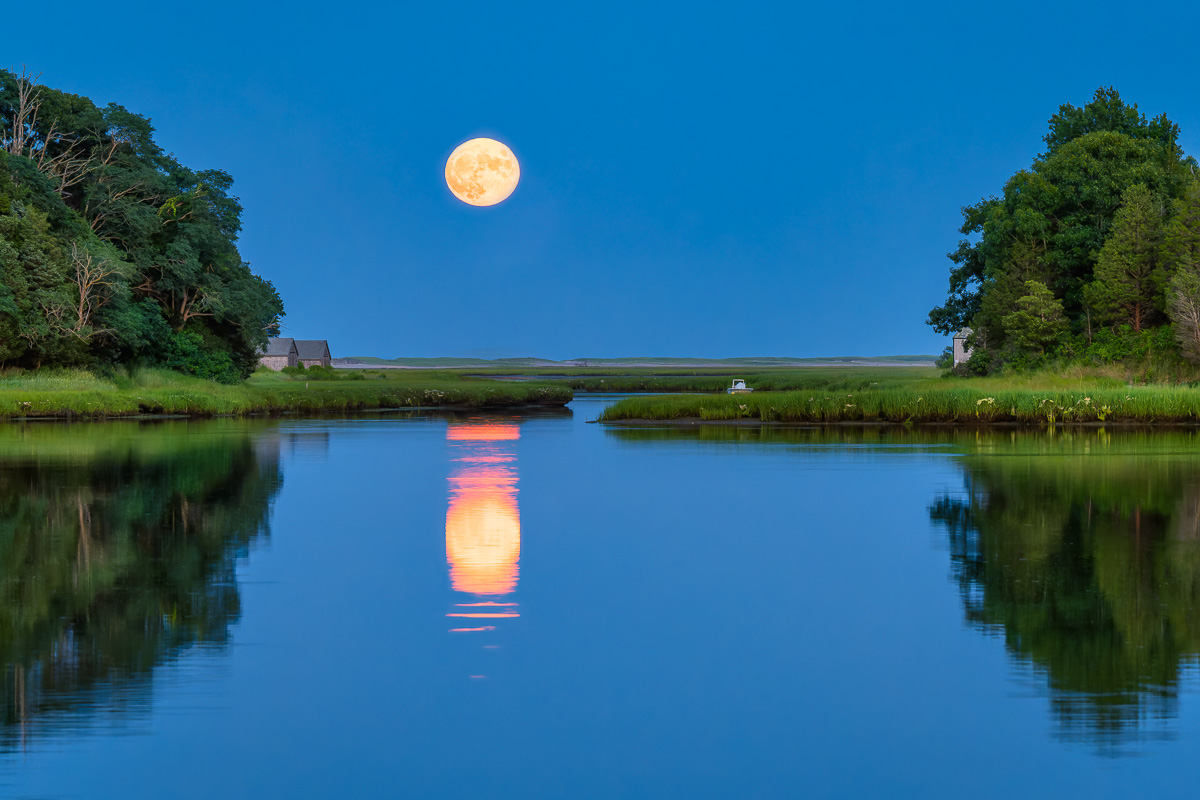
x=313 y=352
x=280 y=353
x=961 y=351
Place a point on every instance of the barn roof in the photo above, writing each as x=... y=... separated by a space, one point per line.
x=312 y=348
x=279 y=346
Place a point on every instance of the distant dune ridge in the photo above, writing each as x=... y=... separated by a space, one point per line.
x=635 y=361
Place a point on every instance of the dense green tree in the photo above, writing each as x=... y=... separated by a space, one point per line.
x=1128 y=279
x=967 y=276
x=110 y=248
x=1107 y=112
x=1052 y=221
x=1038 y=322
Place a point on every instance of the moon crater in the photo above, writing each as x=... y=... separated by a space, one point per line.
x=482 y=172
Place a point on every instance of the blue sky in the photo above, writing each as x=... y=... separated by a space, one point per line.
x=696 y=179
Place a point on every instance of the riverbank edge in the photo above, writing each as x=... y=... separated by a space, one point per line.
x=274 y=414
x=687 y=422
x=72 y=416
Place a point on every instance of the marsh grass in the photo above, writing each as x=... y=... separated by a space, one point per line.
x=54 y=380
x=888 y=394
x=660 y=379
x=963 y=404
x=806 y=395
x=77 y=393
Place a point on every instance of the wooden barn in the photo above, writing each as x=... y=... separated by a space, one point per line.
x=313 y=352
x=280 y=353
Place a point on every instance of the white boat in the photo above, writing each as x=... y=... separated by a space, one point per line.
x=739 y=387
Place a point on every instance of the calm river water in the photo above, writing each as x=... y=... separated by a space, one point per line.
x=531 y=606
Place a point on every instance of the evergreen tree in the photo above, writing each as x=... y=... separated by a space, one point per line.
x=1128 y=284
x=1038 y=322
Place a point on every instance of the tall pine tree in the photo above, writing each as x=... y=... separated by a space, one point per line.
x=1127 y=288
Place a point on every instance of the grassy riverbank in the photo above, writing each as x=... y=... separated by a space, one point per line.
x=76 y=393
x=1032 y=399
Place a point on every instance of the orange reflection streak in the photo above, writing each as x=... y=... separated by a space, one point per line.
x=487 y=603
x=483 y=523
x=486 y=459
x=485 y=616
x=472 y=630
x=482 y=432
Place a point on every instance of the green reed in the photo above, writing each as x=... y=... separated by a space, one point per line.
x=152 y=391
x=953 y=402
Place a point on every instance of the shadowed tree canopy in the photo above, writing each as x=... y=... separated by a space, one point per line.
x=1107 y=112
x=111 y=251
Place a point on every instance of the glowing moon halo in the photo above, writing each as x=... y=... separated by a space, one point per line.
x=482 y=172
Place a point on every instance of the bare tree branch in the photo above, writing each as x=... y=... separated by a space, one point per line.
x=25 y=115
x=94 y=281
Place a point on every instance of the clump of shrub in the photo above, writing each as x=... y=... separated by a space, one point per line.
x=189 y=353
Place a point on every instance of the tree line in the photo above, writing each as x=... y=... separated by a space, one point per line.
x=1093 y=253
x=111 y=251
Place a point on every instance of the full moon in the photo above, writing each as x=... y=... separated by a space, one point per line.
x=482 y=172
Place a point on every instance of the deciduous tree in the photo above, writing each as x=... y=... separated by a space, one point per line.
x=1053 y=220
x=110 y=249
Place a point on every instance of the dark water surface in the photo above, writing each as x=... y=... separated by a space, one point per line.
x=531 y=606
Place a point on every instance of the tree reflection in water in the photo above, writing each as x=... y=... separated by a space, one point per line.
x=1083 y=550
x=118 y=544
